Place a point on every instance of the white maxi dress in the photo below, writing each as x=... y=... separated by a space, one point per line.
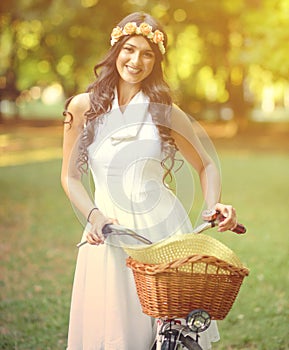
x=124 y=159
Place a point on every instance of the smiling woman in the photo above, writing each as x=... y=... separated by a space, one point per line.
x=126 y=131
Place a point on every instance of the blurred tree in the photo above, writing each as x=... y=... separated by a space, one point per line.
x=43 y=42
x=208 y=36
x=213 y=45
x=266 y=35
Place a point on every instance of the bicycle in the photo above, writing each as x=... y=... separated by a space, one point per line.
x=172 y=333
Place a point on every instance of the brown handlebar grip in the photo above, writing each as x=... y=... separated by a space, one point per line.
x=213 y=215
x=239 y=229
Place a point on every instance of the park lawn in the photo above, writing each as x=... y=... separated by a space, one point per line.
x=258 y=184
x=39 y=231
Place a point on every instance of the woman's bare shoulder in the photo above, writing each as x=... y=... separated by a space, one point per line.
x=79 y=103
x=77 y=106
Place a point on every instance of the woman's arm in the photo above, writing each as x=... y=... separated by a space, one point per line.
x=191 y=148
x=71 y=175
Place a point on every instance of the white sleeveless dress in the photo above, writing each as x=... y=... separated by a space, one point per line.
x=125 y=163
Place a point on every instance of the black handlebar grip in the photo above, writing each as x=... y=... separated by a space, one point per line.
x=106 y=230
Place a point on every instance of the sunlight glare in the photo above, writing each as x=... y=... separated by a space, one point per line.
x=52 y=94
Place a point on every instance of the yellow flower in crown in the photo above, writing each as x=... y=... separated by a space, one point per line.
x=145 y=29
x=158 y=37
x=129 y=28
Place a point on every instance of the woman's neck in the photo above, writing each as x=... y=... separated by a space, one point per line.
x=126 y=93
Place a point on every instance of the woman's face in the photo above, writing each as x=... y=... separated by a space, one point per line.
x=136 y=60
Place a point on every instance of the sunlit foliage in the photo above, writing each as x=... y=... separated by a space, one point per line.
x=221 y=52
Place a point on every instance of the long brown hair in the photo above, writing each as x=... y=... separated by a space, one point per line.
x=101 y=93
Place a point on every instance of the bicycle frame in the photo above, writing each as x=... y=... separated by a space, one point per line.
x=211 y=219
x=172 y=333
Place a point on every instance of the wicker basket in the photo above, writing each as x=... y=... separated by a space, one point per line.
x=174 y=287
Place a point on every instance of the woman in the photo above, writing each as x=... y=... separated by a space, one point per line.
x=126 y=129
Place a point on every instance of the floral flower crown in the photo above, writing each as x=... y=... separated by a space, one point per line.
x=131 y=28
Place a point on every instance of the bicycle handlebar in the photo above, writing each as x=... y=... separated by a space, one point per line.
x=211 y=219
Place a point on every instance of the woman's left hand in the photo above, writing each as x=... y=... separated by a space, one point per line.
x=230 y=221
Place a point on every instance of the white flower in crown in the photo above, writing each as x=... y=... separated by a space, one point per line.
x=162 y=48
x=116 y=34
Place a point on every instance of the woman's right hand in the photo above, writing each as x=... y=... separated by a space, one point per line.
x=98 y=221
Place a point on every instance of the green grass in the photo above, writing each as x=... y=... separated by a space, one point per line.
x=38 y=236
x=258 y=184
x=39 y=231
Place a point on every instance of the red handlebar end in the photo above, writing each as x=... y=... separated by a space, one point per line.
x=239 y=229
